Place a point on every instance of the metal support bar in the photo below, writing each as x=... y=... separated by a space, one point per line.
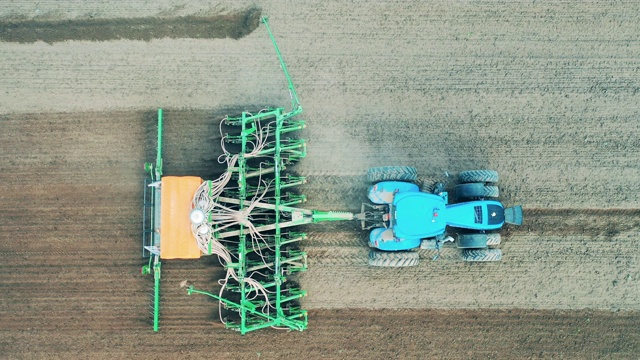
x=159 y=153
x=319 y=216
x=295 y=103
x=249 y=308
x=156 y=293
x=292 y=125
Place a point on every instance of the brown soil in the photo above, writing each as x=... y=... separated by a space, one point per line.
x=545 y=94
x=337 y=334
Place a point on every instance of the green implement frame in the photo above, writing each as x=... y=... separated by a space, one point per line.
x=151 y=224
x=248 y=224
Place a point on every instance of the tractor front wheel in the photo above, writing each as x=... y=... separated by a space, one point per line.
x=472 y=241
x=392 y=173
x=485 y=176
x=476 y=191
x=393 y=258
x=493 y=239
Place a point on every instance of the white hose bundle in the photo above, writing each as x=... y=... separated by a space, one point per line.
x=257 y=141
x=218 y=217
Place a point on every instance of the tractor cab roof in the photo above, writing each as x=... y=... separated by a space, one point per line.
x=418 y=215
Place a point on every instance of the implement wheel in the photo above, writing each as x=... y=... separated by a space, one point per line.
x=482 y=255
x=392 y=173
x=393 y=258
x=472 y=176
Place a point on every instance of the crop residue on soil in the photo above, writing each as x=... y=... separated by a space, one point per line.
x=235 y=26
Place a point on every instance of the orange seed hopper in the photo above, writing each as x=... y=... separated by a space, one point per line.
x=175 y=227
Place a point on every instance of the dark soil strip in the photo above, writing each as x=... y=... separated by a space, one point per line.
x=587 y=222
x=344 y=334
x=235 y=26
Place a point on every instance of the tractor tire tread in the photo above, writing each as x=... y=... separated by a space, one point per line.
x=486 y=176
x=393 y=259
x=493 y=239
x=427 y=185
x=482 y=255
x=392 y=173
x=491 y=191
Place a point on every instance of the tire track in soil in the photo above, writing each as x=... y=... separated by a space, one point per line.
x=234 y=25
x=559 y=258
x=347 y=192
x=538 y=222
x=543 y=273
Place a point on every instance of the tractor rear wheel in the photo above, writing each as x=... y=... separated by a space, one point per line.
x=471 y=176
x=393 y=258
x=392 y=173
x=472 y=241
x=482 y=255
x=476 y=191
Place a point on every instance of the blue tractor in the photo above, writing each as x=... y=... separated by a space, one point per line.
x=408 y=214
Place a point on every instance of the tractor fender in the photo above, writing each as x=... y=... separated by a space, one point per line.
x=384 y=239
x=384 y=192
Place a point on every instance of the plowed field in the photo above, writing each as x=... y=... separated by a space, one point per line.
x=545 y=93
